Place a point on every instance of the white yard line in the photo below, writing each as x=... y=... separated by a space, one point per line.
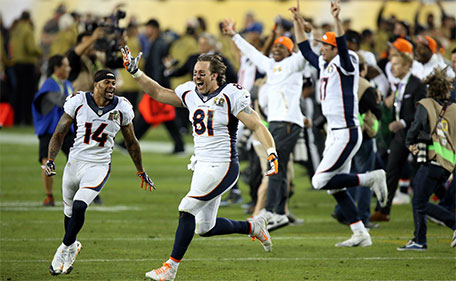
x=82 y=260
x=28 y=239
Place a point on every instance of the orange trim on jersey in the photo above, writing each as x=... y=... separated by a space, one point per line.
x=215 y=186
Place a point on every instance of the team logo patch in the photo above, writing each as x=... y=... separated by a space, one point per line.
x=330 y=69
x=219 y=101
x=113 y=115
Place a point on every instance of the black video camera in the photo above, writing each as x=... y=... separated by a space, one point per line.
x=110 y=42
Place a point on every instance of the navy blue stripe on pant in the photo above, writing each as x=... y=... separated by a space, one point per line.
x=227 y=182
x=343 y=157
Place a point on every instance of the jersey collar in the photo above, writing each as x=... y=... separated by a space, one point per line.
x=100 y=111
x=205 y=98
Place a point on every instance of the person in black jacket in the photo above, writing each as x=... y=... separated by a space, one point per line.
x=408 y=92
x=432 y=138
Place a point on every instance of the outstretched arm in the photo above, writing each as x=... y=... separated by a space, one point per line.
x=135 y=153
x=151 y=87
x=260 y=60
x=251 y=119
x=132 y=144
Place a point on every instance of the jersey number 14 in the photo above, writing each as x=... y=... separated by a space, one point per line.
x=97 y=136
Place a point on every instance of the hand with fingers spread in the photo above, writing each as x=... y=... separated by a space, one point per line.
x=146 y=181
x=131 y=63
x=228 y=27
x=49 y=168
x=273 y=161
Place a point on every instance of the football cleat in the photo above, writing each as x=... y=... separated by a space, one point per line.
x=58 y=261
x=413 y=246
x=360 y=239
x=377 y=182
x=70 y=257
x=260 y=232
x=164 y=273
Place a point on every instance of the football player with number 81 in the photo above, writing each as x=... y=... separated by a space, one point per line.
x=214 y=111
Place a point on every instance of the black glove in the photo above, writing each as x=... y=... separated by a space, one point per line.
x=49 y=169
x=146 y=181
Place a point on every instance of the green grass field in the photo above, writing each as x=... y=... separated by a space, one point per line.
x=133 y=231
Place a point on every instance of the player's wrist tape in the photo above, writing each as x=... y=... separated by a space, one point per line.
x=271 y=150
x=137 y=74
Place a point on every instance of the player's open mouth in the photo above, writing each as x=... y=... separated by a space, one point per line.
x=199 y=84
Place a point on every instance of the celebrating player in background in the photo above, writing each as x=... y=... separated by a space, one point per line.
x=98 y=116
x=339 y=73
x=214 y=111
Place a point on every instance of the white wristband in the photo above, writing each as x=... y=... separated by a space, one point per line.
x=137 y=74
x=271 y=150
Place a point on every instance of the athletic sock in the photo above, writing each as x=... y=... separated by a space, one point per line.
x=227 y=226
x=66 y=221
x=364 y=179
x=347 y=206
x=358 y=227
x=75 y=223
x=184 y=235
x=341 y=181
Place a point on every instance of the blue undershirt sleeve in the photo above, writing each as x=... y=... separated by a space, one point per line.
x=307 y=52
x=342 y=49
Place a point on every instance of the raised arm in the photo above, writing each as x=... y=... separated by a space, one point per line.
x=151 y=87
x=260 y=60
x=342 y=47
x=302 y=27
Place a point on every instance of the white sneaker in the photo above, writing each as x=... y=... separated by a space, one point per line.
x=401 y=198
x=266 y=214
x=277 y=222
x=58 y=261
x=70 y=257
x=164 y=273
x=453 y=242
x=361 y=239
x=377 y=182
x=260 y=231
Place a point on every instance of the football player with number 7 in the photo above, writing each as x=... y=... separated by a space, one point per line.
x=339 y=74
x=214 y=111
x=98 y=116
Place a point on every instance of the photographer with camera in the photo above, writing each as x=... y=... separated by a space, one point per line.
x=432 y=137
x=84 y=61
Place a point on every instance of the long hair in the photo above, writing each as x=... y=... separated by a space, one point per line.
x=439 y=84
x=54 y=61
x=215 y=66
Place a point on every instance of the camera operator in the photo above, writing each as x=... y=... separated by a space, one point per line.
x=432 y=137
x=84 y=61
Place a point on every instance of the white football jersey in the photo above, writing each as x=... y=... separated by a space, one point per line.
x=339 y=92
x=213 y=119
x=96 y=127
